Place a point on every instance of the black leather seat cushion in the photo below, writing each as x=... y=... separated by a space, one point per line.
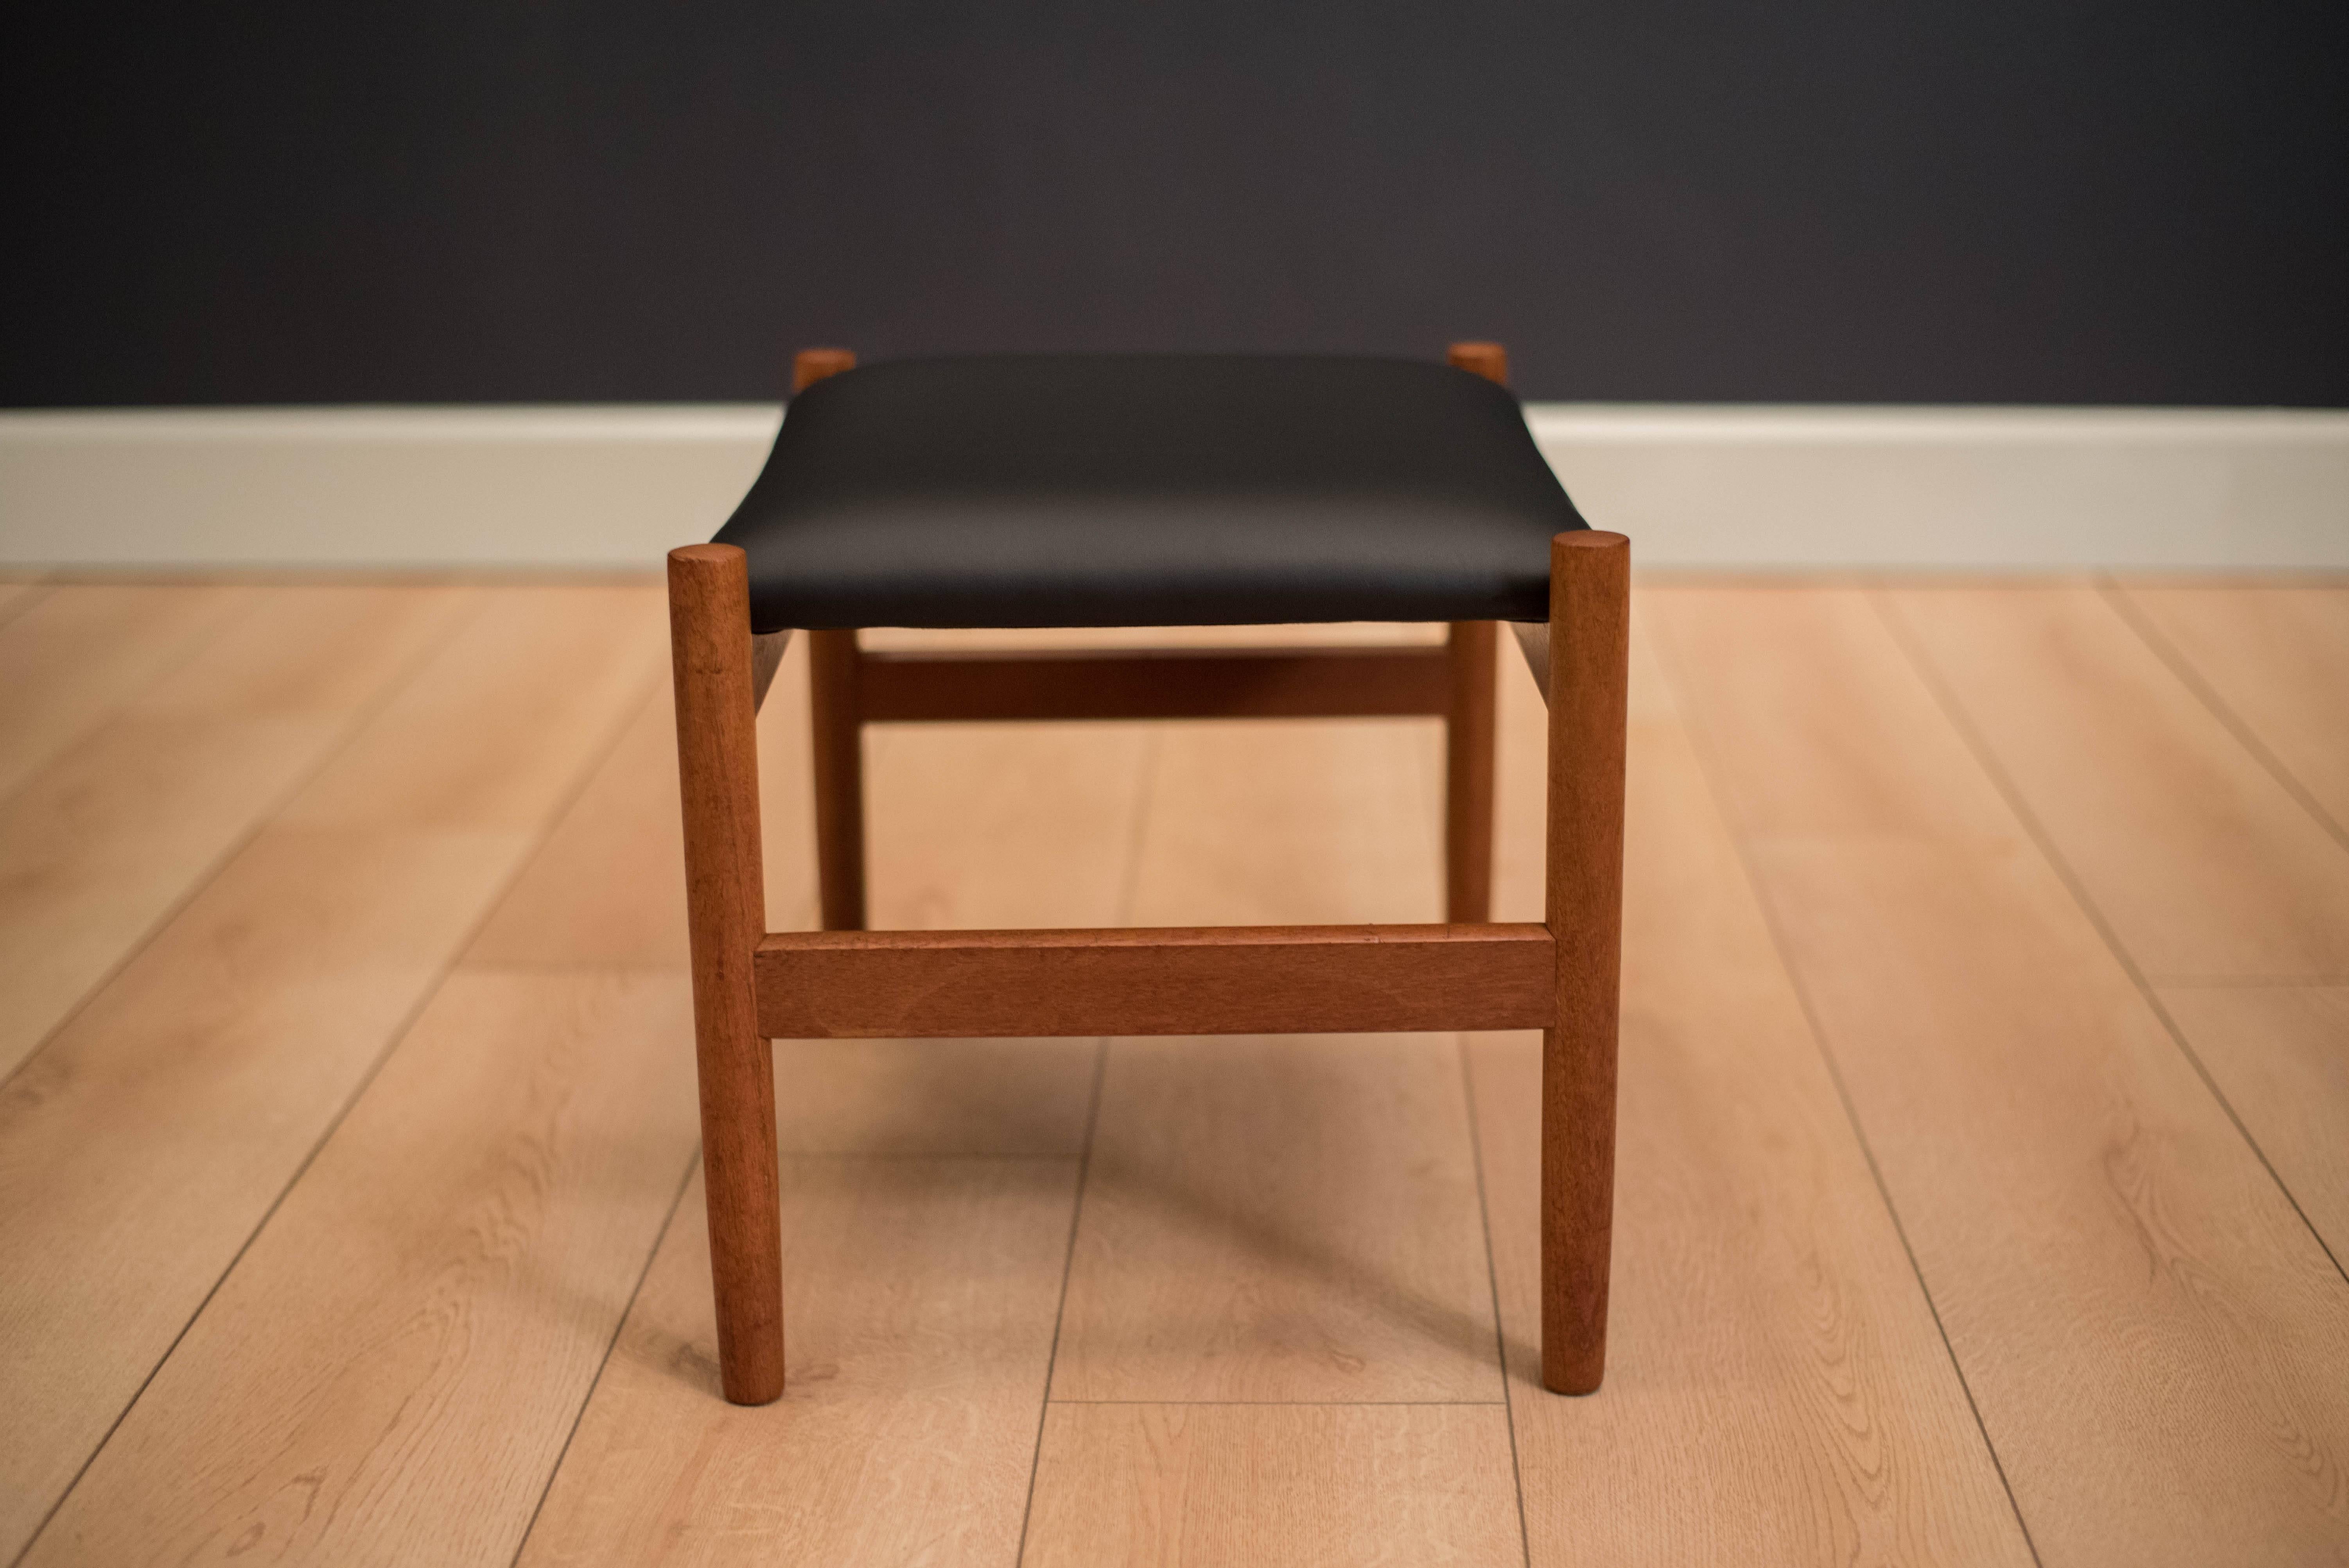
x=1149 y=491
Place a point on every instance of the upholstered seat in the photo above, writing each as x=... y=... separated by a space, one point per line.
x=1146 y=490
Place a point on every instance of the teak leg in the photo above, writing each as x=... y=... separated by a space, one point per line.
x=718 y=771
x=1468 y=726
x=1589 y=655
x=833 y=673
x=1468 y=775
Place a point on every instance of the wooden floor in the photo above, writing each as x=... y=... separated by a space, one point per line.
x=1985 y=1181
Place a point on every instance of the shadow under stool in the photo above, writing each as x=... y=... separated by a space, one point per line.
x=1016 y=490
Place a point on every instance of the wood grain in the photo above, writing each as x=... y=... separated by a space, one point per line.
x=718 y=781
x=922 y=1295
x=1773 y=1352
x=1198 y=1486
x=1468 y=771
x=927 y=684
x=1589 y=639
x=787 y=796
x=974 y=825
x=1010 y=1096
x=453 y=1264
x=1275 y=824
x=2280 y=1055
x=78 y=653
x=1280 y=1219
x=2151 y=1331
x=2147 y=1328
x=607 y=888
x=1308 y=635
x=98 y=844
x=1864 y=760
x=837 y=752
x=1155 y=980
x=2278 y=660
x=977 y=825
x=495 y=731
x=142 y=1144
x=985 y=825
x=2201 y=860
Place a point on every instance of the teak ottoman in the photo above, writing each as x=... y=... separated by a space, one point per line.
x=1151 y=490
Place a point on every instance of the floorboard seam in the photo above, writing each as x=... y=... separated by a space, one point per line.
x=361 y=717
x=393 y=1040
x=1492 y=1280
x=2170 y=655
x=191 y=646
x=1144 y=792
x=1709 y=765
x=211 y=873
x=1955 y=712
x=652 y=1255
x=35 y=592
x=1061 y=1309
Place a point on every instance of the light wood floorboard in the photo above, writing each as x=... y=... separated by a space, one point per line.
x=1344 y=824
x=975 y=826
x=1229 y=1486
x=105 y=838
x=463 y=1251
x=1285 y=1219
x=2280 y=1055
x=1902 y=1138
x=918 y=1302
x=76 y=655
x=921 y=1289
x=497 y=733
x=607 y=888
x=2199 y=858
x=2277 y=661
x=1777 y=1389
x=139 y=1148
x=2149 y=1330
x=1274 y=1221
x=18 y=596
x=452 y=1265
x=1240 y=1238
x=1004 y=825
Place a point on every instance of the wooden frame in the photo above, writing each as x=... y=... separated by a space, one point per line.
x=1158 y=683
x=1173 y=980
x=1559 y=976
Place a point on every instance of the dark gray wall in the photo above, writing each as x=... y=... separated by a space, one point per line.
x=2057 y=201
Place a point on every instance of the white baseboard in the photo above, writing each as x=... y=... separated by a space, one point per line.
x=585 y=487
x=1767 y=488
x=1989 y=489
